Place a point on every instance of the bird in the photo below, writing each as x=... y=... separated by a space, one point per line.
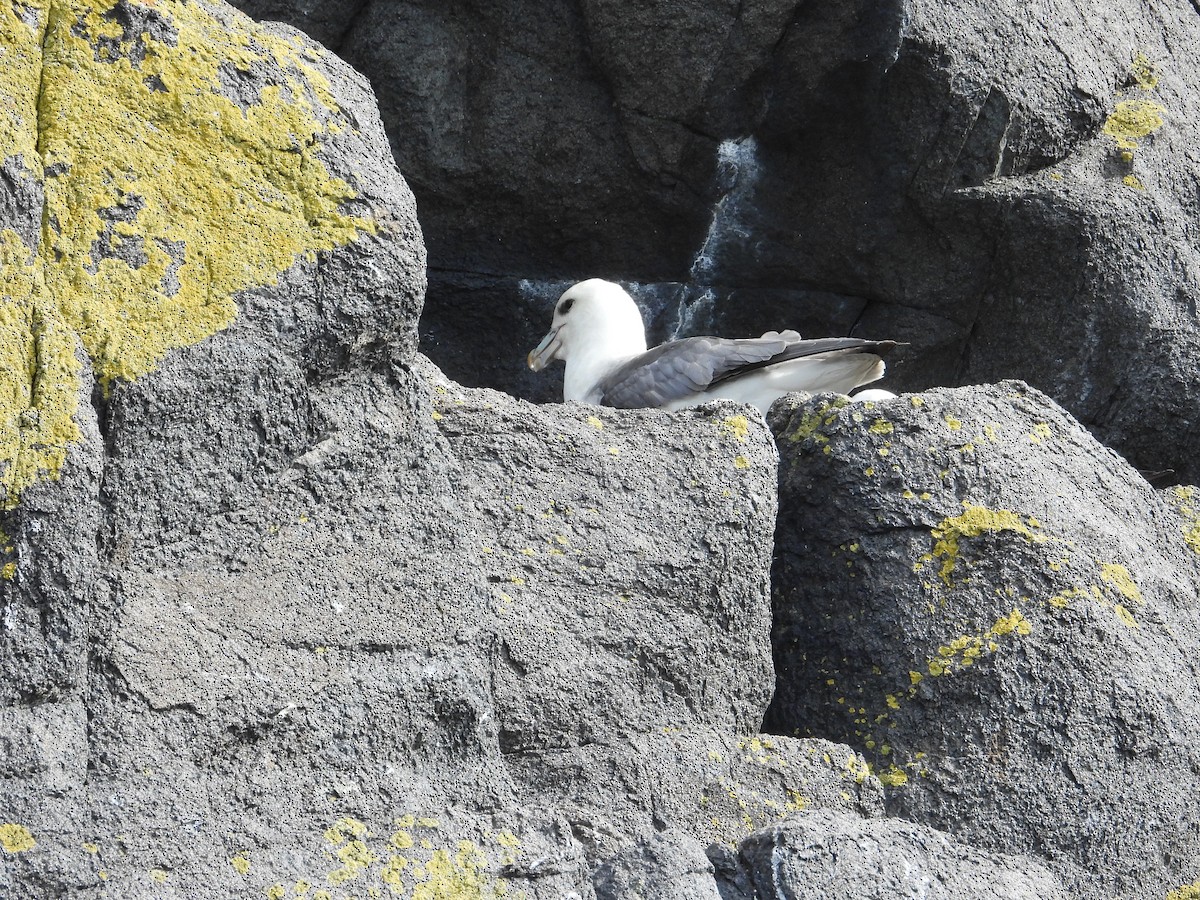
x=597 y=331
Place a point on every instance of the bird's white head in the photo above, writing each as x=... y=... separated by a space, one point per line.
x=595 y=319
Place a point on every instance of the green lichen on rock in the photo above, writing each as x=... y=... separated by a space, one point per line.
x=1131 y=121
x=425 y=868
x=16 y=838
x=40 y=374
x=974 y=521
x=166 y=193
x=1185 y=892
x=1183 y=498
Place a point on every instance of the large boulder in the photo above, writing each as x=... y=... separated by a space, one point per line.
x=1002 y=614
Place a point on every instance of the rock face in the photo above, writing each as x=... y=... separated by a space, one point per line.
x=812 y=856
x=285 y=611
x=1011 y=195
x=1003 y=614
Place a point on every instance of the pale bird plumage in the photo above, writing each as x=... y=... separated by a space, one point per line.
x=598 y=332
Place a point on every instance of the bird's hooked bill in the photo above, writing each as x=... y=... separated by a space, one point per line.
x=540 y=356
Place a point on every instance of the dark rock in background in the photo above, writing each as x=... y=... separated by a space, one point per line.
x=1002 y=613
x=952 y=177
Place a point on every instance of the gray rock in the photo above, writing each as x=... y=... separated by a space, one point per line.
x=998 y=610
x=668 y=866
x=828 y=855
x=949 y=176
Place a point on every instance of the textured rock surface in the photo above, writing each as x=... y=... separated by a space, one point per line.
x=1011 y=194
x=824 y=854
x=1003 y=614
x=284 y=611
x=664 y=867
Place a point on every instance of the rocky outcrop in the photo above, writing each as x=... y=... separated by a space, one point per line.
x=1002 y=613
x=1011 y=195
x=285 y=611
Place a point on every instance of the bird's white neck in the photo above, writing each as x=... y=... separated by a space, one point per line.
x=588 y=364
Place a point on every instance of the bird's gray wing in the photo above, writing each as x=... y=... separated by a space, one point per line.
x=679 y=369
x=796 y=349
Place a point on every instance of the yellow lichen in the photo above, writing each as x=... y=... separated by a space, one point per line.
x=16 y=838
x=881 y=426
x=892 y=777
x=1144 y=72
x=595 y=423
x=1125 y=616
x=356 y=857
x=1134 y=182
x=740 y=462
x=963 y=651
x=976 y=520
x=1185 y=892
x=1183 y=498
x=163 y=198
x=1118 y=577
x=40 y=374
x=1131 y=121
x=736 y=426
x=240 y=864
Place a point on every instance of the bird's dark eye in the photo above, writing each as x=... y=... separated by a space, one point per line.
x=565 y=306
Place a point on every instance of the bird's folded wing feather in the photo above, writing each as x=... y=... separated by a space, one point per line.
x=679 y=369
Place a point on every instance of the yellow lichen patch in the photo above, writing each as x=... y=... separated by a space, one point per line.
x=1118 y=577
x=344 y=829
x=1125 y=616
x=881 y=426
x=1134 y=182
x=160 y=876
x=1183 y=498
x=40 y=375
x=163 y=197
x=810 y=425
x=738 y=427
x=20 y=66
x=462 y=874
x=355 y=857
x=965 y=650
x=892 y=777
x=595 y=423
x=952 y=423
x=16 y=838
x=213 y=198
x=1144 y=72
x=240 y=864
x=1041 y=432
x=740 y=462
x=974 y=521
x=1185 y=892
x=1131 y=121
x=276 y=892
